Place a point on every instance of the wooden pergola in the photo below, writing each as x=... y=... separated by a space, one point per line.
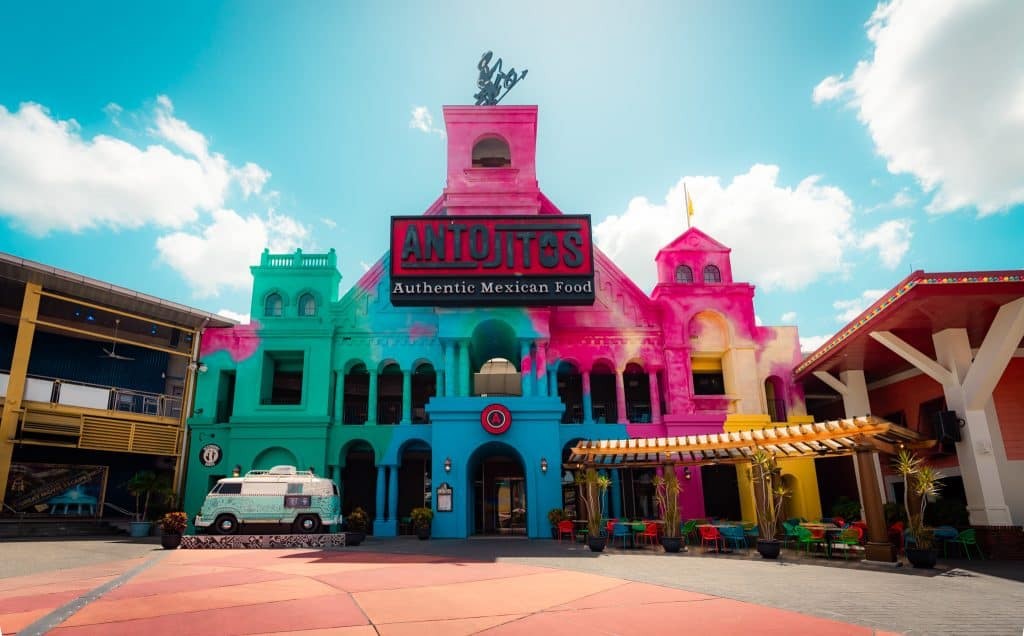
x=861 y=437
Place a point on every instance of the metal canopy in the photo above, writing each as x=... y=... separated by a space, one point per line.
x=832 y=438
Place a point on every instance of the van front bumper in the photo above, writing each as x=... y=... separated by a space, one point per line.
x=199 y=523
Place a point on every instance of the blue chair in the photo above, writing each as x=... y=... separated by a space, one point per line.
x=734 y=536
x=623 y=531
x=752 y=533
x=945 y=534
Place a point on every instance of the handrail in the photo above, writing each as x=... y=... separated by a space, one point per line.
x=127 y=513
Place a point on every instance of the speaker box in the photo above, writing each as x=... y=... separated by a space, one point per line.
x=947 y=427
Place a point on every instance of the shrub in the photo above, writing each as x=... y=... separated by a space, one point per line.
x=556 y=515
x=421 y=517
x=174 y=523
x=357 y=520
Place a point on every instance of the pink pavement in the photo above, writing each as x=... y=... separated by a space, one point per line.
x=366 y=593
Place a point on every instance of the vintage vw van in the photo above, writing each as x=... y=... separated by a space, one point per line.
x=281 y=496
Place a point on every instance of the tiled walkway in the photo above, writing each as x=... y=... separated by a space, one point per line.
x=449 y=587
x=373 y=592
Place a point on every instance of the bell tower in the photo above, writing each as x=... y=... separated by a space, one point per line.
x=491 y=160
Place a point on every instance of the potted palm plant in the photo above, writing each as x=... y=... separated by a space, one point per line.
x=924 y=481
x=768 y=496
x=357 y=524
x=172 y=526
x=593 y=486
x=421 y=519
x=146 y=485
x=666 y=489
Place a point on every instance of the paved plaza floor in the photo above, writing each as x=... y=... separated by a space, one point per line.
x=512 y=586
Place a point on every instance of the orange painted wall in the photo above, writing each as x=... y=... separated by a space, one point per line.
x=907 y=396
x=1009 y=399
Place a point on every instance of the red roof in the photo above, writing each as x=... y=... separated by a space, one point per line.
x=920 y=305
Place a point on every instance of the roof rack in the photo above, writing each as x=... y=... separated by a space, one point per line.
x=280 y=471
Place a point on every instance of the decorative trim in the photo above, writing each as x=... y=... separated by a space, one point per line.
x=257 y=541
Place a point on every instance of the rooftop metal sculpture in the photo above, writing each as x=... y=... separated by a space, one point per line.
x=492 y=80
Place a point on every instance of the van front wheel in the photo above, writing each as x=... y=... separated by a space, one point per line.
x=226 y=524
x=306 y=524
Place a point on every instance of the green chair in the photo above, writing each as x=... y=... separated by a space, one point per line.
x=688 y=529
x=849 y=539
x=966 y=539
x=806 y=538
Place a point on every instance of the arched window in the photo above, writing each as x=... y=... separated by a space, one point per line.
x=307 y=305
x=273 y=306
x=712 y=274
x=684 y=274
x=491 y=152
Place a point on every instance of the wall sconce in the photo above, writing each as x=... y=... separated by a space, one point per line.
x=543 y=465
x=447 y=464
x=686 y=473
x=236 y=471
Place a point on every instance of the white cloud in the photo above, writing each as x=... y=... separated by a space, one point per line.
x=234 y=315
x=850 y=309
x=892 y=239
x=51 y=178
x=422 y=120
x=789 y=317
x=943 y=99
x=219 y=255
x=810 y=344
x=331 y=223
x=749 y=214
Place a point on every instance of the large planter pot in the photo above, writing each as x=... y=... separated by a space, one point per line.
x=139 y=528
x=170 y=541
x=672 y=544
x=423 y=533
x=354 y=538
x=769 y=548
x=596 y=544
x=921 y=558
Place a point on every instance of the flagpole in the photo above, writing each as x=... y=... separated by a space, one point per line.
x=686 y=205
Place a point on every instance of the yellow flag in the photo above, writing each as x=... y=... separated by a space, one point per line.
x=689 y=206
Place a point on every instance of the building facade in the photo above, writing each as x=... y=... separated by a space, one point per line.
x=471 y=408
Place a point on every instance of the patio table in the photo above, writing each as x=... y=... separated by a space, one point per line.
x=830 y=532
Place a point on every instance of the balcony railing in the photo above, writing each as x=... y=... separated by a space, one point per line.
x=92 y=396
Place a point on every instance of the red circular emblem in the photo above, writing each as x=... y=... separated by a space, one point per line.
x=495 y=419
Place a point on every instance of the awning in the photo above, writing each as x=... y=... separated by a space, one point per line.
x=829 y=439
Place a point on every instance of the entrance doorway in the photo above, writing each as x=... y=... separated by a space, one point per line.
x=499 y=493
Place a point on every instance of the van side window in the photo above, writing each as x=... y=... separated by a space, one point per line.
x=215 y=489
x=294 y=489
x=230 y=489
x=334 y=487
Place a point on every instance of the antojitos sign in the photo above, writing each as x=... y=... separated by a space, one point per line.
x=486 y=260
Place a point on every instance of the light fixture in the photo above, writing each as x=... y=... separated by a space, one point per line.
x=202 y=367
x=236 y=471
x=686 y=473
x=447 y=464
x=543 y=465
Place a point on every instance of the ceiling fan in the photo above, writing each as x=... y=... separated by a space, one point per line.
x=112 y=351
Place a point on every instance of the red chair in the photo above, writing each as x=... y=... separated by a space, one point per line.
x=566 y=528
x=650 y=533
x=711 y=535
x=863 y=527
x=839 y=521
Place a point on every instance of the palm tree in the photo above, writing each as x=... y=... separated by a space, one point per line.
x=146 y=484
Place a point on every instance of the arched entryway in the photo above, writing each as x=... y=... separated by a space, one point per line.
x=498 y=505
x=359 y=479
x=275 y=456
x=414 y=485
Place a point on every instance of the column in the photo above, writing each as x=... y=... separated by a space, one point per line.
x=620 y=397
x=450 y=350
x=16 y=382
x=465 y=388
x=878 y=547
x=406 y=396
x=541 y=368
x=652 y=380
x=440 y=377
x=393 y=493
x=588 y=401
x=617 y=498
x=526 y=370
x=371 y=397
x=381 y=487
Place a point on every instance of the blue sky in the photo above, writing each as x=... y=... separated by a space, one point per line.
x=834 y=146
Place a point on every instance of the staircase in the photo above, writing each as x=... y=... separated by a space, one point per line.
x=15 y=528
